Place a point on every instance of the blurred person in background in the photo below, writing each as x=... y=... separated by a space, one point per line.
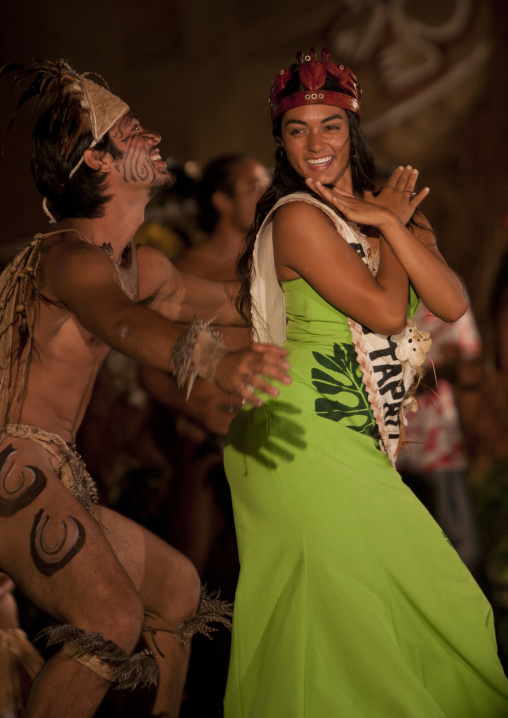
x=490 y=472
x=435 y=462
x=20 y=661
x=499 y=314
x=226 y=201
x=199 y=519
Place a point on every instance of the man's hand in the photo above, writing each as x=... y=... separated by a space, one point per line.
x=245 y=370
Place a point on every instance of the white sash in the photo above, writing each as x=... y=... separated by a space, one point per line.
x=387 y=375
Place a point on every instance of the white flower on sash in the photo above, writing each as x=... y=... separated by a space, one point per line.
x=412 y=344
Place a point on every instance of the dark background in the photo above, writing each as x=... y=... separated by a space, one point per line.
x=199 y=71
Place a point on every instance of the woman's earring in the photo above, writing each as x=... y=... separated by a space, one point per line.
x=353 y=155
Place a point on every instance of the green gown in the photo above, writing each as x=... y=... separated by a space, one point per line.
x=351 y=602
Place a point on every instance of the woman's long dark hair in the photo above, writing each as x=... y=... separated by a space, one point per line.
x=286 y=180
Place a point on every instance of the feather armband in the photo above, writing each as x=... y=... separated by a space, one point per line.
x=197 y=353
x=104 y=657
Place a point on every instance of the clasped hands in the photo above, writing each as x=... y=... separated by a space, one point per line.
x=398 y=196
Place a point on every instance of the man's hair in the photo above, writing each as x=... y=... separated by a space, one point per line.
x=218 y=176
x=81 y=195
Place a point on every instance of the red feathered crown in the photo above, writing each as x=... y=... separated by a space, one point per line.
x=312 y=75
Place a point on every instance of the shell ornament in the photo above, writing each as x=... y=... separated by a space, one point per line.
x=412 y=344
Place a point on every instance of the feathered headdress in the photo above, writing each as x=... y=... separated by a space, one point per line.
x=79 y=105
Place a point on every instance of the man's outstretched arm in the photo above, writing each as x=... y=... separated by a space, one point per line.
x=84 y=279
x=181 y=296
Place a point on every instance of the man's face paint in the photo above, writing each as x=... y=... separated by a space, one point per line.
x=141 y=160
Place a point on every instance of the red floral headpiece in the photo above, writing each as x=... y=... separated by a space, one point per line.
x=312 y=76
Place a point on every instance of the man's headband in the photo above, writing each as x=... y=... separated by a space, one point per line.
x=103 y=109
x=79 y=105
x=312 y=75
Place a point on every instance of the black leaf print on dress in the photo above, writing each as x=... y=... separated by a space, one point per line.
x=350 y=405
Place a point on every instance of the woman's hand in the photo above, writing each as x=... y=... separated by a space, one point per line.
x=355 y=209
x=398 y=194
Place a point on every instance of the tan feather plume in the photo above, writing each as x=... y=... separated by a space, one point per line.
x=54 y=84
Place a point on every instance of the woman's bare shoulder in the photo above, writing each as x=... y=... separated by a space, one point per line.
x=301 y=216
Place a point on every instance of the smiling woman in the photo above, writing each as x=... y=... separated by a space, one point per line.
x=350 y=601
x=317 y=144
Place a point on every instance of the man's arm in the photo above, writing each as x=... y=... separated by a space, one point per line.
x=206 y=406
x=84 y=279
x=180 y=296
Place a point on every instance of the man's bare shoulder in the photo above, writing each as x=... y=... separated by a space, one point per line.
x=67 y=247
x=65 y=257
x=156 y=272
x=63 y=241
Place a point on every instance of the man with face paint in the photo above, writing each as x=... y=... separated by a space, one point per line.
x=65 y=300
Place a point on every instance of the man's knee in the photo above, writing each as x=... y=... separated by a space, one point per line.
x=104 y=657
x=178 y=605
x=126 y=617
x=185 y=589
x=172 y=587
x=105 y=644
x=106 y=605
